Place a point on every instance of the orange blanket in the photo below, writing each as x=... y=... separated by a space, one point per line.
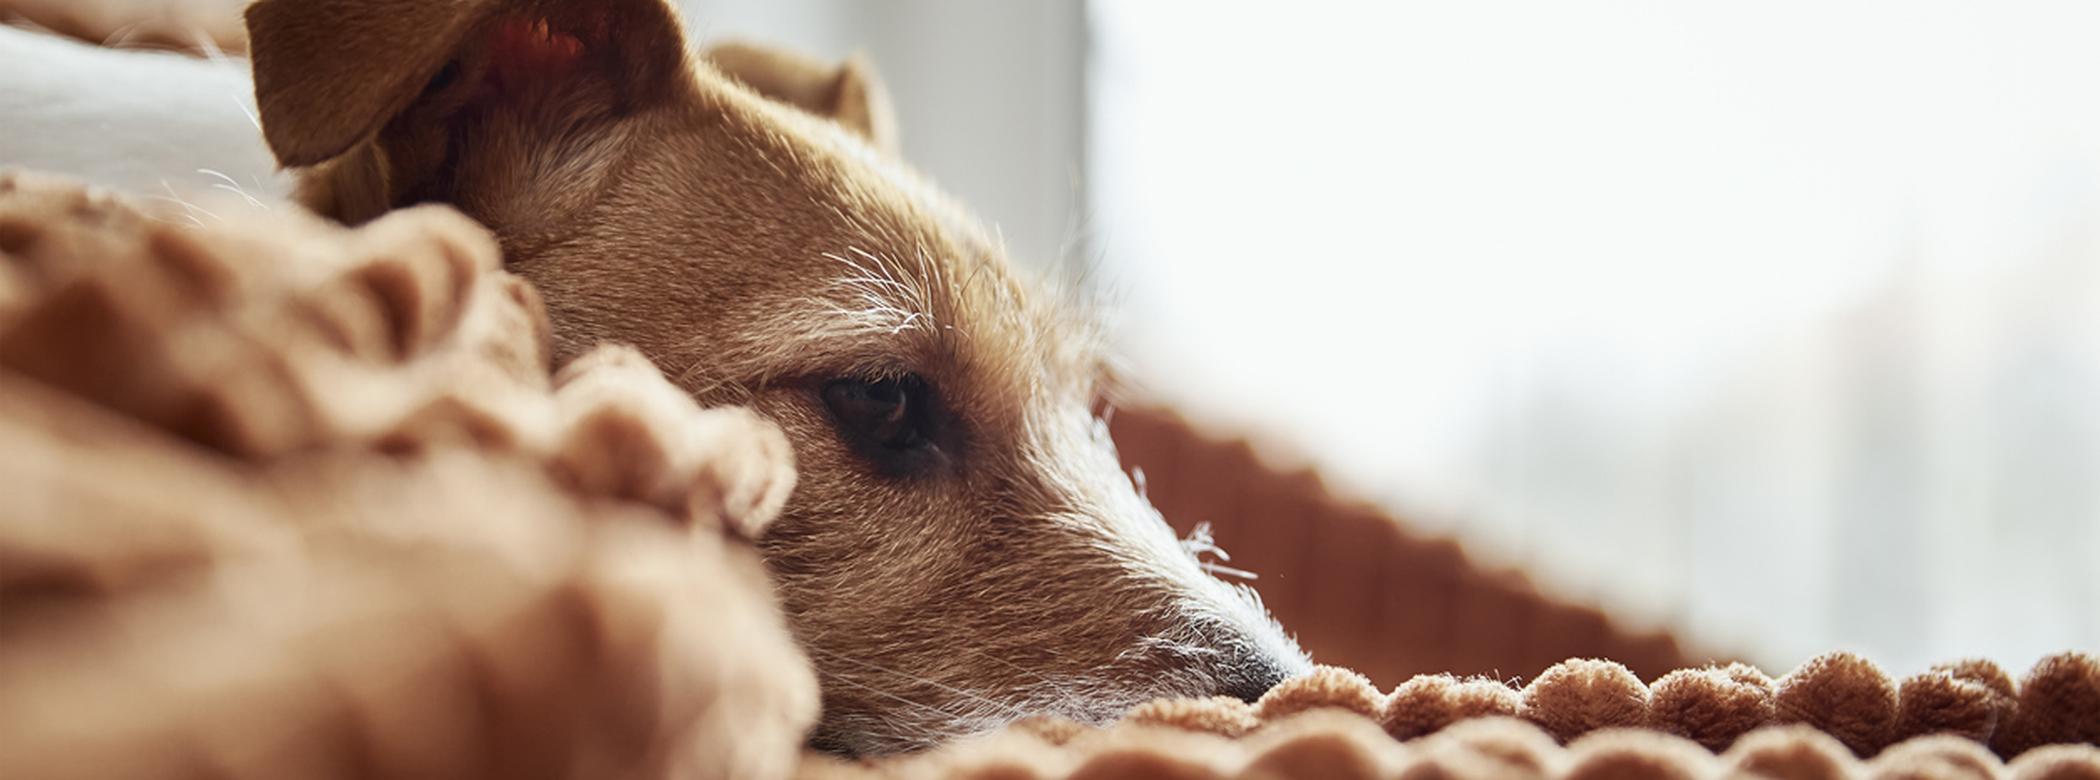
x=1836 y=716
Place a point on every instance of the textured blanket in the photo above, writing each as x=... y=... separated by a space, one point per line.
x=1837 y=716
x=288 y=500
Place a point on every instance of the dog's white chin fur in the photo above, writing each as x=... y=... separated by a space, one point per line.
x=157 y=124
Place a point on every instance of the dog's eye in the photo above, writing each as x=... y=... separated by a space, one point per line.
x=887 y=420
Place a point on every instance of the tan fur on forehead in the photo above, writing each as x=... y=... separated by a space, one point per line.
x=878 y=315
x=896 y=278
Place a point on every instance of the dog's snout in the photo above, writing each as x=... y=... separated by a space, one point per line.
x=1251 y=678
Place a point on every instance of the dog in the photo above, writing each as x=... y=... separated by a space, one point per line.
x=962 y=547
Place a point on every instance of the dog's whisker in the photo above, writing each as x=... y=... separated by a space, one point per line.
x=889 y=301
x=189 y=209
x=120 y=37
x=1199 y=542
x=240 y=103
x=229 y=184
x=207 y=46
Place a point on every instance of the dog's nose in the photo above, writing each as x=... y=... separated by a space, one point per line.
x=1248 y=680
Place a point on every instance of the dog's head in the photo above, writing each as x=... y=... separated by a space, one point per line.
x=963 y=547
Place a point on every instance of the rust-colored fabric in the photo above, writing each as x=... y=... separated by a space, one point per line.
x=1336 y=745
x=1356 y=584
x=1836 y=716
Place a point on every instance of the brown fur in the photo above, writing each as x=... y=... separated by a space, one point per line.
x=757 y=251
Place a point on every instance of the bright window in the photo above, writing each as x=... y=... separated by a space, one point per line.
x=1777 y=320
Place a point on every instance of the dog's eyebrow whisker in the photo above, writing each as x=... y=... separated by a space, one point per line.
x=857 y=267
x=874 y=283
x=977 y=275
x=930 y=268
x=869 y=256
x=878 y=296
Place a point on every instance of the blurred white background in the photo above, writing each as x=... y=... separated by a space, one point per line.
x=991 y=95
x=1778 y=322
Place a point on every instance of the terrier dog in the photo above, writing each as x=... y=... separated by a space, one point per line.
x=962 y=547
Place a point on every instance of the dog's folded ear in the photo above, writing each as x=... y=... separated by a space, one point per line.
x=333 y=75
x=847 y=93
